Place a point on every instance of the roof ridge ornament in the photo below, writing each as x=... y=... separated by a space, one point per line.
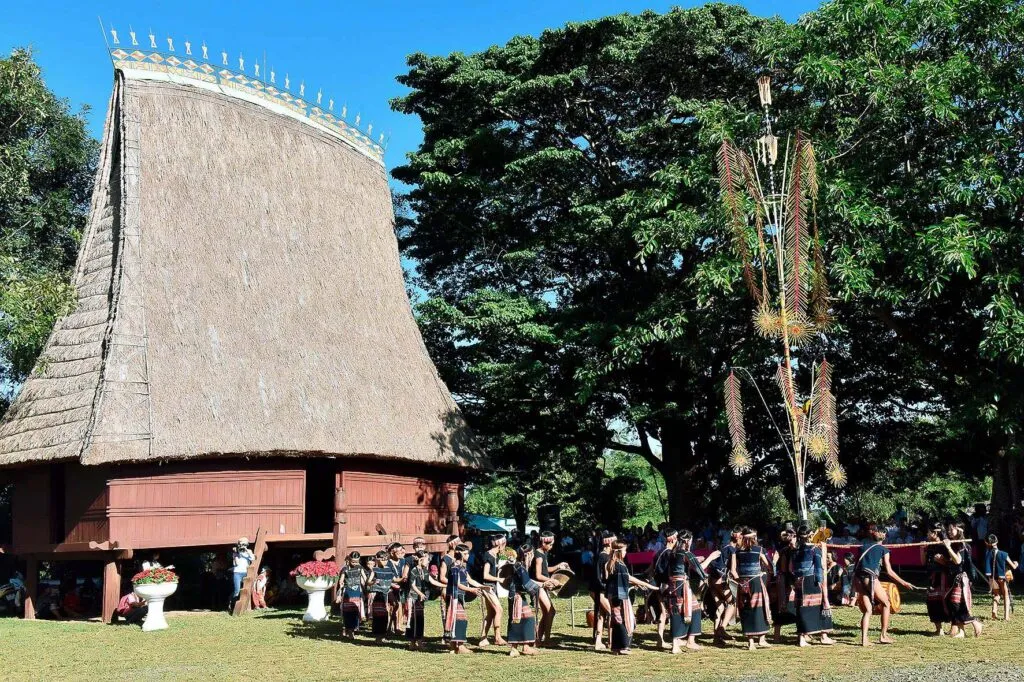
x=165 y=60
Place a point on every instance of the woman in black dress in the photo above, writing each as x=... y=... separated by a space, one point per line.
x=523 y=592
x=618 y=580
x=492 y=618
x=958 y=598
x=749 y=568
x=813 y=612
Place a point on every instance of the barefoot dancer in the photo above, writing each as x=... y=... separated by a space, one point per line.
x=618 y=580
x=540 y=572
x=873 y=558
x=784 y=612
x=602 y=607
x=748 y=568
x=350 y=595
x=396 y=563
x=996 y=561
x=686 y=572
x=522 y=623
x=938 y=578
x=459 y=583
x=958 y=598
x=415 y=595
x=724 y=587
x=807 y=565
x=379 y=584
x=661 y=573
x=491 y=601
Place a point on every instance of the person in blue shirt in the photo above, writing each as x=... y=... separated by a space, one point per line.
x=996 y=562
x=874 y=557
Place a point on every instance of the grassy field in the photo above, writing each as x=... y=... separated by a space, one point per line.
x=277 y=645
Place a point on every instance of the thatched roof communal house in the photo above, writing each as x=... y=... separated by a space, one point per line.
x=242 y=359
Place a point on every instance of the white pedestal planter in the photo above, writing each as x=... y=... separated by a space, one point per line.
x=315 y=588
x=154 y=595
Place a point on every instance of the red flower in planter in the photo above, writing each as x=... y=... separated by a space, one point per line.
x=312 y=570
x=155 y=576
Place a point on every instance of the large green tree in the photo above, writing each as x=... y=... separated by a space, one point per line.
x=47 y=160
x=920 y=104
x=565 y=229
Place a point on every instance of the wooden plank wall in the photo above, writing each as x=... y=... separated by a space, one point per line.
x=30 y=508
x=203 y=507
x=401 y=504
x=85 y=510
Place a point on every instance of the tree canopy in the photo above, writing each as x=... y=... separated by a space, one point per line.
x=579 y=289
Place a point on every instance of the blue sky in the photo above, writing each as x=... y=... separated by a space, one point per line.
x=353 y=50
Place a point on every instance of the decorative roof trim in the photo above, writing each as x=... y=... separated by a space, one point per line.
x=159 y=65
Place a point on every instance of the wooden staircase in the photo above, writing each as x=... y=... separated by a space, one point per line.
x=244 y=602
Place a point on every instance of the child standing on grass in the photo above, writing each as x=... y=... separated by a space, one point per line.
x=996 y=561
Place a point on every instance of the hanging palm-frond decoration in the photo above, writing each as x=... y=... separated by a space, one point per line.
x=739 y=459
x=778 y=211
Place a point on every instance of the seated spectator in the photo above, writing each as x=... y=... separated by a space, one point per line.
x=132 y=608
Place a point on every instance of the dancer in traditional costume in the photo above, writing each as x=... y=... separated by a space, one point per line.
x=540 y=571
x=783 y=594
x=996 y=563
x=395 y=562
x=938 y=578
x=873 y=559
x=807 y=566
x=661 y=574
x=602 y=607
x=350 y=596
x=687 y=575
x=443 y=571
x=459 y=583
x=415 y=595
x=617 y=581
x=381 y=576
x=748 y=568
x=492 y=619
x=522 y=594
x=723 y=587
x=959 y=598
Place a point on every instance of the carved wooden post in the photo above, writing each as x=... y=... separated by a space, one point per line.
x=452 y=503
x=31 y=587
x=111 y=588
x=340 y=532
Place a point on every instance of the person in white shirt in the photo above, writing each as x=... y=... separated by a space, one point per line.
x=241 y=558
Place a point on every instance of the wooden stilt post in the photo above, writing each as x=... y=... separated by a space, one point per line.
x=340 y=533
x=31 y=587
x=111 y=588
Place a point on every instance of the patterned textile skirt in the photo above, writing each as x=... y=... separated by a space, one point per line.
x=683 y=608
x=522 y=623
x=783 y=601
x=414 y=619
x=379 y=613
x=752 y=602
x=623 y=623
x=813 y=614
x=455 y=622
x=935 y=598
x=352 y=611
x=958 y=601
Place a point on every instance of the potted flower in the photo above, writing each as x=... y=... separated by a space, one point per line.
x=154 y=586
x=316 y=577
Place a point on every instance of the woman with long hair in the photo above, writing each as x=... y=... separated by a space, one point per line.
x=938 y=578
x=602 y=607
x=459 y=583
x=784 y=594
x=958 y=599
x=522 y=594
x=492 y=618
x=350 y=594
x=807 y=566
x=749 y=568
x=618 y=580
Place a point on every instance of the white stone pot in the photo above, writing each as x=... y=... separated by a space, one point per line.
x=154 y=594
x=315 y=588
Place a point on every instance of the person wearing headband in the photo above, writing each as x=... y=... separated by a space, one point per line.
x=660 y=572
x=494 y=613
x=444 y=568
x=813 y=611
x=618 y=581
x=783 y=595
x=523 y=592
x=748 y=568
x=459 y=583
x=688 y=577
x=350 y=594
x=873 y=559
x=938 y=578
x=724 y=587
x=382 y=574
x=394 y=563
x=541 y=572
x=958 y=599
x=996 y=562
x=414 y=594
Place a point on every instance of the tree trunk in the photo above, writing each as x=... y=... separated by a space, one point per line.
x=685 y=499
x=1005 y=491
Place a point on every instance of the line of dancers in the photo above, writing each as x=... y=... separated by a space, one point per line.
x=738 y=581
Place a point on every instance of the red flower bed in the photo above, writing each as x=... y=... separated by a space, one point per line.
x=312 y=570
x=155 y=576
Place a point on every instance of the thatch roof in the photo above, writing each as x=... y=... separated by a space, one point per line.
x=239 y=293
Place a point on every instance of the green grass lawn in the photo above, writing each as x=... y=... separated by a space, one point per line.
x=277 y=645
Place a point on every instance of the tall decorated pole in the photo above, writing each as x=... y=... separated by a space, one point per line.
x=772 y=214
